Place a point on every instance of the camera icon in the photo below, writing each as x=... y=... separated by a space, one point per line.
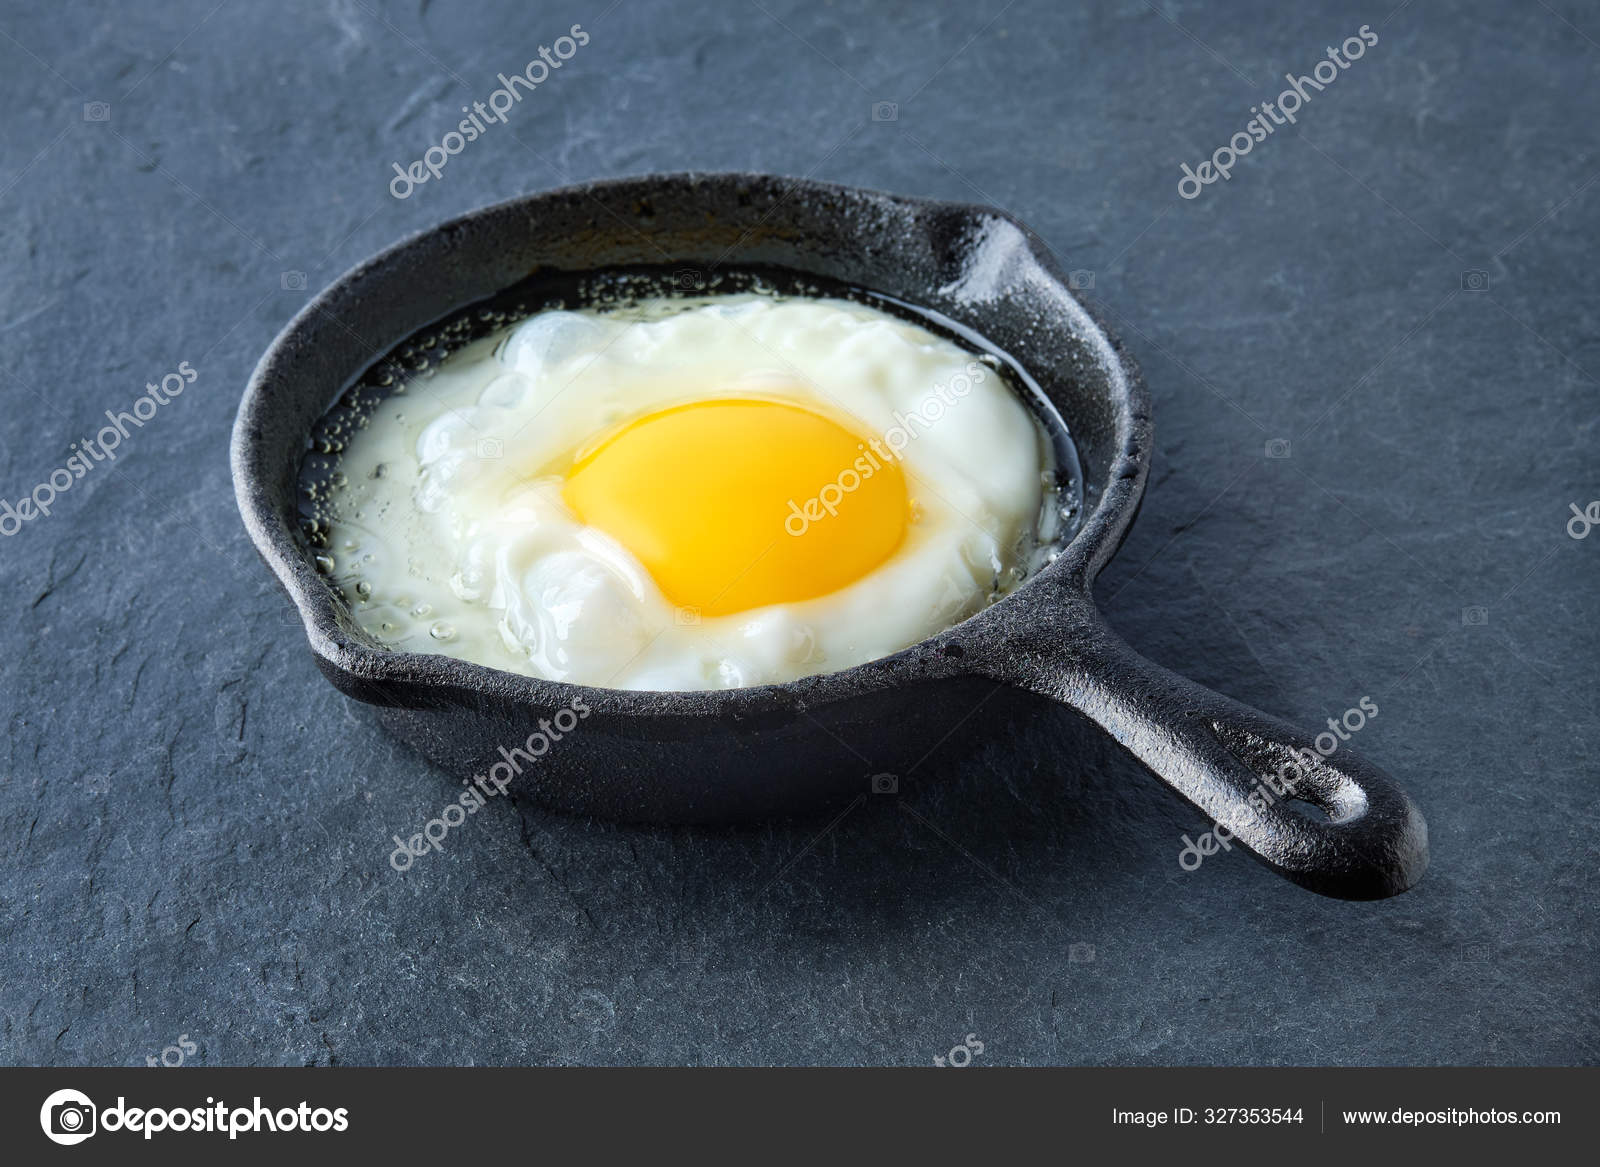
x=1080 y=953
x=686 y=617
x=96 y=111
x=886 y=111
x=1474 y=281
x=72 y=1118
x=1277 y=447
x=1081 y=281
x=688 y=279
x=68 y=1117
x=491 y=448
x=294 y=281
x=1474 y=616
x=885 y=784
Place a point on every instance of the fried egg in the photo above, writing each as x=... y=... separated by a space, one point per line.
x=691 y=494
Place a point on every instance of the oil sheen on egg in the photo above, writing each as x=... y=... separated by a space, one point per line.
x=691 y=494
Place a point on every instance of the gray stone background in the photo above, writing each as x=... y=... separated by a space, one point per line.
x=195 y=827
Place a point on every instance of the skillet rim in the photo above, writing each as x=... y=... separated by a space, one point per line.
x=426 y=680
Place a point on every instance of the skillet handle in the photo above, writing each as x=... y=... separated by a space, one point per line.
x=1239 y=766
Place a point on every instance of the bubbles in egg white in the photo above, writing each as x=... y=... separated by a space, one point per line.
x=443 y=515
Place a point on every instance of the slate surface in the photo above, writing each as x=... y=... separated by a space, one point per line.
x=195 y=826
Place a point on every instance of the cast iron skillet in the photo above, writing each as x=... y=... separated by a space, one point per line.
x=736 y=754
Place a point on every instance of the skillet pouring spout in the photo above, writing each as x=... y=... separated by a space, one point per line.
x=1335 y=824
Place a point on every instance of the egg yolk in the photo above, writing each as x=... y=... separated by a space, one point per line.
x=739 y=503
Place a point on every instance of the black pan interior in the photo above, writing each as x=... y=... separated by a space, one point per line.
x=415 y=359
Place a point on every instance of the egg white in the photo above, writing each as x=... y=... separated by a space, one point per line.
x=445 y=540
